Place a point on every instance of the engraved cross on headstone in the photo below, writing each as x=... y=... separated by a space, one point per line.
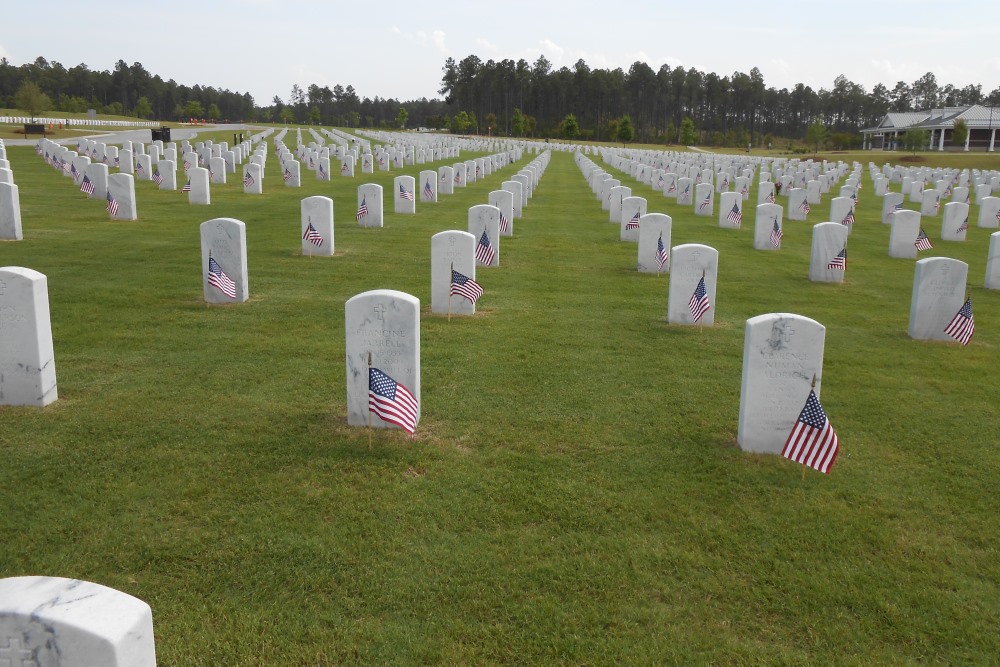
x=3 y=286
x=379 y=311
x=12 y=655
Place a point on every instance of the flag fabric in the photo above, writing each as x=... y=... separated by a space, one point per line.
x=633 y=222
x=157 y=177
x=812 y=441
x=998 y=215
x=322 y=172
x=404 y=193
x=848 y=219
x=428 y=190
x=770 y=197
x=484 y=249
x=965 y=225
x=87 y=185
x=287 y=175
x=962 y=326
x=661 y=253
x=74 y=172
x=112 y=206
x=462 y=285
x=344 y=169
x=139 y=169
x=735 y=216
x=390 y=401
x=698 y=304
x=776 y=234
x=840 y=261
x=706 y=202
x=896 y=208
x=805 y=207
x=248 y=179
x=187 y=186
x=673 y=186
x=362 y=209
x=458 y=178
x=218 y=278
x=854 y=198
x=69 y=168
x=313 y=236
x=118 y=161
x=504 y=224
x=922 y=242
x=187 y=165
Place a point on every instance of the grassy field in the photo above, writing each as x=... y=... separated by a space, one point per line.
x=574 y=494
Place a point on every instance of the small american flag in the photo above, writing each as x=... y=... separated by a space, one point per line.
x=840 y=261
x=118 y=161
x=139 y=169
x=218 y=278
x=812 y=441
x=698 y=304
x=776 y=234
x=484 y=250
x=390 y=401
x=848 y=219
x=87 y=185
x=287 y=175
x=962 y=326
x=937 y=203
x=157 y=178
x=313 y=236
x=965 y=225
x=362 y=209
x=405 y=194
x=770 y=197
x=922 y=242
x=322 y=172
x=673 y=186
x=504 y=224
x=998 y=215
x=187 y=186
x=854 y=198
x=633 y=222
x=707 y=202
x=187 y=165
x=112 y=206
x=735 y=216
x=344 y=169
x=896 y=209
x=458 y=178
x=805 y=207
x=248 y=179
x=661 y=253
x=428 y=191
x=444 y=177
x=462 y=285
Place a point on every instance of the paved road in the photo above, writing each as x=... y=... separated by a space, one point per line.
x=176 y=134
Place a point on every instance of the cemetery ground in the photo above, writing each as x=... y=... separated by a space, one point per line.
x=573 y=493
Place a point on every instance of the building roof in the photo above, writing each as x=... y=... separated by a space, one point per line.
x=975 y=116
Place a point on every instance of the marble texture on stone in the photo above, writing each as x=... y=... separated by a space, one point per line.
x=782 y=352
x=514 y=187
x=828 y=240
x=428 y=184
x=10 y=213
x=632 y=208
x=767 y=215
x=384 y=324
x=954 y=221
x=939 y=287
x=689 y=262
x=121 y=188
x=27 y=359
x=728 y=202
x=903 y=234
x=654 y=228
x=889 y=203
x=225 y=241
x=50 y=621
x=484 y=217
x=989 y=213
x=318 y=212
x=402 y=204
x=993 y=263
x=167 y=170
x=451 y=249
x=504 y=200
x=370 y=198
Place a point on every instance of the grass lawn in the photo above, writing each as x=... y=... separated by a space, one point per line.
x=574 y=494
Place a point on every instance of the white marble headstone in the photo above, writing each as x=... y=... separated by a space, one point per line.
x=514 y=188
x=451 y=249
x=27 y=360
x=166 y=172
x=782 y=352
x=224 y=278
x=798 y=207
x=446 y=180
x=655 y=231
x=253 y=178
x=369 y=211
x=993 y=262
x=428 y=186
x=903 y=234
x=891 y=203
x=685 y=191
x=121 y=189
x=10 y=213
x=955 y=221
x=768 y=217
x=404 y=195
x=384 y=324
x=689 y=263
x=632 y=210
x=829 y=245
x=486 y=218
x=730 y=210
x=217 y=170
x=989 y=213
x=939 y=286
x=317 y=226
x=52 y=621
x=504 y=200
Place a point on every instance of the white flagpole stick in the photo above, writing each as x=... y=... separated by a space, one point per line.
x=812 y=387
x=701 y=320
x=451 y=277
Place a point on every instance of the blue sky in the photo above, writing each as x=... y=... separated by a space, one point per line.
x=396 y=49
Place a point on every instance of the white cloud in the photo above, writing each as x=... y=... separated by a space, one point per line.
x=4 y=53
x=395 y=30
x=554 y=52
x=486 y=44
x=437 y=37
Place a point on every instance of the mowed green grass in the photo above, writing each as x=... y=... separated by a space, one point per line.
x=574 y=494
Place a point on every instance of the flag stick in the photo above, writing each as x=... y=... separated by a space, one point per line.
x=701 y=320
x=369 y=407
x=812 y=387
x=450 y=278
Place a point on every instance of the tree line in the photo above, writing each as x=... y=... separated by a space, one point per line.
x=733 y=110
